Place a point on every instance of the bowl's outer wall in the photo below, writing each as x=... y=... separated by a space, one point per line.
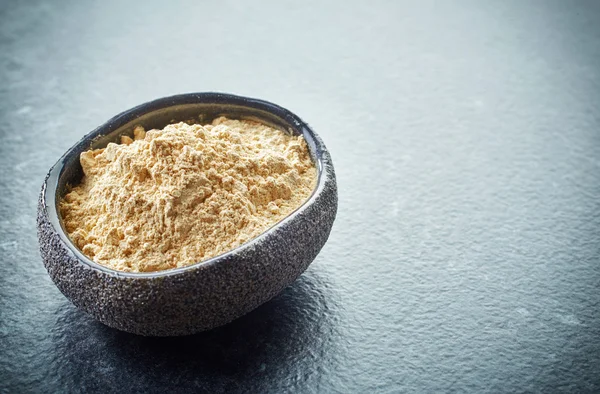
x=203 y=296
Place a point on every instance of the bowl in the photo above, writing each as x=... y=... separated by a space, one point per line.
x=207 y=294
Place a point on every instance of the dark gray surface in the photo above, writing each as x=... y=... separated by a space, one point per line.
x=466 y=141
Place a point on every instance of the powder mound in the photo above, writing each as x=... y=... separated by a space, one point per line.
x=173 y=197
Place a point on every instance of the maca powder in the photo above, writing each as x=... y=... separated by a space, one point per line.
x=173 y=197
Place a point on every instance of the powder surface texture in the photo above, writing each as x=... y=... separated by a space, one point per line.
x=173 y=197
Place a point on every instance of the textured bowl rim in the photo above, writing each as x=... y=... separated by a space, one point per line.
x=315 y=146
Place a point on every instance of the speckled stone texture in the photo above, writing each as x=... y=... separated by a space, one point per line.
x=205 y=295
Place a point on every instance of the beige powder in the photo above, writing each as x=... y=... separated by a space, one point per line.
x=173 y=197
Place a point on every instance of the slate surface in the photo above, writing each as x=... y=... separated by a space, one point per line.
x=466 y=140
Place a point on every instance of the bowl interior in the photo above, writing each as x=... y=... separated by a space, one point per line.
x=158 y=114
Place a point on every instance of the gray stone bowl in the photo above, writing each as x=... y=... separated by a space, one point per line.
x=207 y=294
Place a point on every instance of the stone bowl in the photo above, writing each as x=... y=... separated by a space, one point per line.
x=207 y=294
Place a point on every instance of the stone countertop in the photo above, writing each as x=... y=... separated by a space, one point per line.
x=466 y=140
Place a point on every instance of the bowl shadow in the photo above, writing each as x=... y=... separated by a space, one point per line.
x=274 y=348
